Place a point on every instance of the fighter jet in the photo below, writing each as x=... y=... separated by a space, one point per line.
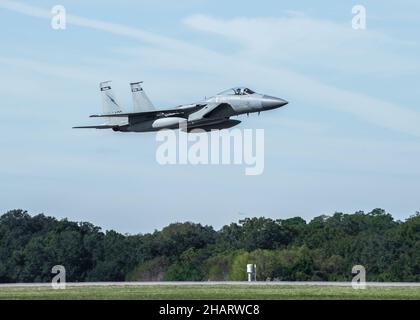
x=210 y=114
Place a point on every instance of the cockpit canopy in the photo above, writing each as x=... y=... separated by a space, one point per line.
x=238 y=91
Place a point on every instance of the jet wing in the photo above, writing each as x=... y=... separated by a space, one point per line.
x=213 y=110
x=183 y=111
x=218 y=110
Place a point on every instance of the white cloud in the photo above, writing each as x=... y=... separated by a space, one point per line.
x=68 y=72
x=301 y=40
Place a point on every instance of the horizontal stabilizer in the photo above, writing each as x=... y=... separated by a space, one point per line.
x=103 y=126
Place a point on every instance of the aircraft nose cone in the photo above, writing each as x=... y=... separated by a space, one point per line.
x=269 y=102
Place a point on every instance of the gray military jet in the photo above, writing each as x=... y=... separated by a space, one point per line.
x=209 y=114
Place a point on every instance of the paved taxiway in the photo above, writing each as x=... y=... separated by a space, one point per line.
x=212 y=283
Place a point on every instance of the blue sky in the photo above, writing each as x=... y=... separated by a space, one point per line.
x=348 y=140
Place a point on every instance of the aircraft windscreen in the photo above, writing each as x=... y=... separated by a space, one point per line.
x=248 y=91
x=227 y=92
x=237 y=91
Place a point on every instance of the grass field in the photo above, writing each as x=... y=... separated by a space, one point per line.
x=169 y=292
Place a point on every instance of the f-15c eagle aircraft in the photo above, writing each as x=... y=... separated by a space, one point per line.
x=209 y=114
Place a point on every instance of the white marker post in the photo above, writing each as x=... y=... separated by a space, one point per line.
x=251 y=269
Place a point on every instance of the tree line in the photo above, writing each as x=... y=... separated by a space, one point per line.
x=323 y=249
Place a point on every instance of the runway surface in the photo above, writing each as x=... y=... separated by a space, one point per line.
x=213 y=283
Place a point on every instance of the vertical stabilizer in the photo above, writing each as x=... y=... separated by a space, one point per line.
x=109 y=103
x=141 y=102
